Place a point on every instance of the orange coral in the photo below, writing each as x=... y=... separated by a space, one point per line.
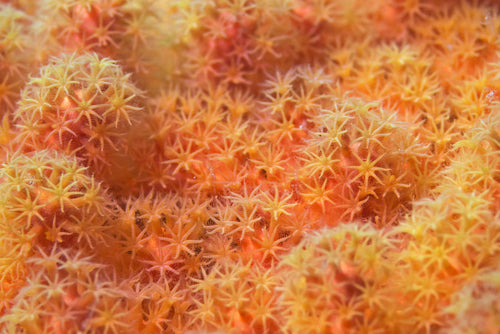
x=249 y=166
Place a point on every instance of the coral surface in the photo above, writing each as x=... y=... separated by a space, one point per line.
x=249 y=166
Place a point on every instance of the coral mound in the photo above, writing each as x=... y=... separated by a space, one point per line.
x=249 y=166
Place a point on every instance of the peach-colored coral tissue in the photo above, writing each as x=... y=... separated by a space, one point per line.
x=249 y=166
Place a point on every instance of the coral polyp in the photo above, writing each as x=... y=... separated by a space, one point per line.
x=249 y=166
x=82 y=105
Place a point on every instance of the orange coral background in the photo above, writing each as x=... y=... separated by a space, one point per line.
x=249 y=166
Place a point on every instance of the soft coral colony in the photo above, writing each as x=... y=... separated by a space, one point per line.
x=249 y=166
